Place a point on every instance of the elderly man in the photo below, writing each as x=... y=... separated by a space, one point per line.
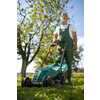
x=65 y=32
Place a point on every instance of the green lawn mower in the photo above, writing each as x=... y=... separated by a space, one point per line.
x=48 y=76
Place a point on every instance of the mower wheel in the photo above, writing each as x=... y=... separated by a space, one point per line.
x=61 y=79
x=50 y=81
x=44 y=83
x=23 y=83
x=28 y=82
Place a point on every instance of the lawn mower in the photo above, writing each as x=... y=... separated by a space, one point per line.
x=49 y=75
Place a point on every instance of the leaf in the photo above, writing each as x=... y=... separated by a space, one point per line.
x=31 y=5
x=22 y=9
x=28 y=12
x=32 y=10
x=72 y=7
x=36 y=4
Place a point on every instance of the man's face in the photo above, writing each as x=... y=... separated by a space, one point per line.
x=64 y=17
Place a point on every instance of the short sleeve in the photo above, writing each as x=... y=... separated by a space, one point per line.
x=73 y=28
x=56 y=30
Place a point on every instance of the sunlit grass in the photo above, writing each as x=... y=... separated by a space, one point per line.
x=74 y=91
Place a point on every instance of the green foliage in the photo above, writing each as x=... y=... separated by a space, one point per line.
x=74 y=91
x=77 y=58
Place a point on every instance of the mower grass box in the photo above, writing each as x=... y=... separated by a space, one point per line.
x=43 y=72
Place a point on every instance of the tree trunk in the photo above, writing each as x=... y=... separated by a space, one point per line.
x=24 y=66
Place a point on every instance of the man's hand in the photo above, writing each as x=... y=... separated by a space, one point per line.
x=55 y=38
x=56 y=41
x=74 y=47
x=75 y=40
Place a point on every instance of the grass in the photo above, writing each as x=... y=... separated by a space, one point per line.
x=74 y=91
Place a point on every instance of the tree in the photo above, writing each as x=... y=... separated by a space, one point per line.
x=34 y=21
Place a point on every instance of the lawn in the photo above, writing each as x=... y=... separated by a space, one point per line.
x=74 y=91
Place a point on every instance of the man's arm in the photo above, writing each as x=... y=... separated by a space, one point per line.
x=75 y=40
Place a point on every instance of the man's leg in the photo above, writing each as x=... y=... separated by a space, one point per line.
x=69 y=59
x=58 y=55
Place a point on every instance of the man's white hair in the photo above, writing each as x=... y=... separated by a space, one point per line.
x=64 y=13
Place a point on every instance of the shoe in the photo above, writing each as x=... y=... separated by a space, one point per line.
x=68 y=82
x=69 y=79
x=55 y=64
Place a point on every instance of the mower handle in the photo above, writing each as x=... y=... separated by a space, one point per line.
x=53 y=44
x=63 y=41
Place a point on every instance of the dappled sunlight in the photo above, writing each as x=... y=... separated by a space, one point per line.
x=65 y=92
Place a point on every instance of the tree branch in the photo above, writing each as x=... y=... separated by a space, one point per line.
x=36 y=50
x=19 y=46
x=21 y=13
x=29 y=46
x=38 y=46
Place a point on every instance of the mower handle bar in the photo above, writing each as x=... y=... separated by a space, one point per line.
x=63 y=41
x=53 y=44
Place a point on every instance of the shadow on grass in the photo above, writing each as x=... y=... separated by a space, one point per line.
x=78 y=77
x=65 y=92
